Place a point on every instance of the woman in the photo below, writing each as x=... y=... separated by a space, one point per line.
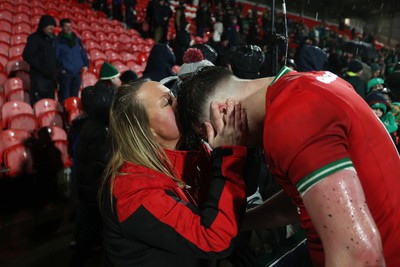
x=150 y=216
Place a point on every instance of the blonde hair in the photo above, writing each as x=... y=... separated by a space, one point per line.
x=133 y=140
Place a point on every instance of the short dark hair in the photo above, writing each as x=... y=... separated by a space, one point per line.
x=64 y=21
x=194 y=92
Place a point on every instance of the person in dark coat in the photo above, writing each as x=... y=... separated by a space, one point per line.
x=353 y=76
x=40 y=54
x=92 y=154
x=160 y=63
x=130 y=13
x=311 y=58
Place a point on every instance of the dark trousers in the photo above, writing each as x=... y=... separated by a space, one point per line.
x=69 y=85
x=41 y=88
x=117 y=11
x=88 y=233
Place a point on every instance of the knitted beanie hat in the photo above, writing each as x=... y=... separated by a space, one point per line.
x=375 y=67
x=373 y=82
x=355 y=66
x=380 y=106
x=108 y=71
x=193 y=60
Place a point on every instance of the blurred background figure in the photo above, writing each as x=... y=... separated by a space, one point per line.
x=160 y=63
x=246 y=61
x=72 y=61
x=40 y=54
x=109 y=75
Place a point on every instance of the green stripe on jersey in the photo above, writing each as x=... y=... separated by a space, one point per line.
x=307 y=182
x=282 y=72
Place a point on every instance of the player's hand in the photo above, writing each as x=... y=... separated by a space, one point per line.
x=84 y=69
x=228 y=126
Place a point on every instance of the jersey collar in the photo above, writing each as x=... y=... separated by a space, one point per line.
x=282 y=72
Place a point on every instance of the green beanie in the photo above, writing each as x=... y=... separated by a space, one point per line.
x=381 y=106
x=374 y=82
x=108 y=71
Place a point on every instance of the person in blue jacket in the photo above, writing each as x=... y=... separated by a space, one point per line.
x=72 y=60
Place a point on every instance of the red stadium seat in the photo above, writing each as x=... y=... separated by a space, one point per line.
x=106 y=46
x=21 y=17
x=37 y=10
x=82 y=25
x=20 y=95
x=88 y=79
x=22 y=28
x=47 y=104
x=73 y=102
x=73 y=115
x=96 y=55
x=12 y=84
x=51 y=118
x=55 y=133
x=113 y=56
x=63 y=147
x=120 y=66
x=26 y=122
x=101 y=37
x=95 y=27
x=3 y=62
x=92 y=44
x=127 y=57
x=6 y=15
x=18 y=65
x=2 y=100
x=4 y=5
x=12 y=108
x=113 y=37
x=18 y=160
x=22 y=8
x=18 y=39
x=5 y=37
x=5 y=26
x=87 y=35
x=4 y=49
x=36 y=3
x=35 y=21
x=10 y=138
x=15 y=52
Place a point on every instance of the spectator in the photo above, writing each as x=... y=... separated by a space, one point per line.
x=352 y=76
x=150 y=215
x=375 y=70
x=40 y=54
x=130 y=14
x=128 y=76
x=160 y=63
x=246 y=61
x=208 y=52
x=72 y=61
x=161 y=14
x=327 y=150
x=92 y=155
x=311 y=58
x=382 y=110
x=110 y=74
x=202 y=15
x=375 y=84
x=117 y=9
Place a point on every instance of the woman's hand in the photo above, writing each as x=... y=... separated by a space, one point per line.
x=227 y=126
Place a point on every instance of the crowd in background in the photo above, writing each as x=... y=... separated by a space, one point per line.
x=231 y=39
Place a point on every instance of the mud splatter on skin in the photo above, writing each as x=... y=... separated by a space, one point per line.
x=330 y=215
x=325 y=226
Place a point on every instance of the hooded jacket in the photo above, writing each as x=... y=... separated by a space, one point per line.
x=40 y=53
x=160 y=63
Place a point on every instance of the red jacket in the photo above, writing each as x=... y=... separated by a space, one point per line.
x=155 y=223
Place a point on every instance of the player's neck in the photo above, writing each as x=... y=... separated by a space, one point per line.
x=253 y=102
